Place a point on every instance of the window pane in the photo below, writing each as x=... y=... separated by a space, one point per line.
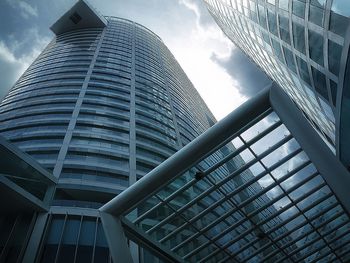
x=272 y=22
x=299 y=8
x=284 y=29
x=283 y=4
x=316 y=47
x=289 y=59
x=334 y=53
x=320 y=83
x=299 y=37
x=303 y=70
x=316 y=15
x=339 y=20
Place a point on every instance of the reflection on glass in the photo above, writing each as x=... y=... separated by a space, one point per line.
x=320 y=83
x=339 y=20
x=299 y=37
x=299 y=8
x=334 y=56
x=316 y=47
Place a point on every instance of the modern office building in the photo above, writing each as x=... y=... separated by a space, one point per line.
x=88 y=130
x=304 y=47
x=102 y=105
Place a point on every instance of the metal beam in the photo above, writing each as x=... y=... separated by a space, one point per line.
x=218 y=135
x=331 y=169
x=116 y=239
x=157 y=249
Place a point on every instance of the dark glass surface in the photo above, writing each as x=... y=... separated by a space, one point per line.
x=289 y=59
x=316 y=47
x=316 y=15
x=284 y=29
x=299 y=37
x=320 y=83
x=303 y=70
x=334 y=56
x=339 y=20
x=299 y=8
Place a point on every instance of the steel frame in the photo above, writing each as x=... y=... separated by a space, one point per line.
x=334 y=174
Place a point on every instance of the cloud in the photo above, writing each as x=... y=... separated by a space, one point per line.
x=12 y=66
x=26 y=9
x=217 y=87
x=203 y=17
x=250 y=77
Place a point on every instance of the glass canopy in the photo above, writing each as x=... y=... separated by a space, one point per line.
x=257 y=197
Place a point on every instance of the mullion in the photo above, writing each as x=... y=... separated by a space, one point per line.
x=298 y=227
x=243 y=147
x=239 y=237
x=214 y=187
x=346 y=251
x=246 y=127
x=332 y=250
x=272 y=216
x=227 y=230
x=78 y=239
x=291 y=155
x=271 y=254
x=194 y=227
x=162 y=202
x=284 y=191
x=307 y=221
x=285 y=177
x=231 y=202
x=247 y=202
x=284 y=235
x=319 y=237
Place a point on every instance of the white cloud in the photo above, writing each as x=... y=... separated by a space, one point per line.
x=26 y=9
x=218 y=89
x=12 y=66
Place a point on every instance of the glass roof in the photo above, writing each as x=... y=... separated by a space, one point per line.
x=258 y=198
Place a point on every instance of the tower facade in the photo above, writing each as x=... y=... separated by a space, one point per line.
x=303 y=46
x=102 y=105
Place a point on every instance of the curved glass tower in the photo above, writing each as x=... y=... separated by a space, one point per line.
x=304 y=47
x=101 y=106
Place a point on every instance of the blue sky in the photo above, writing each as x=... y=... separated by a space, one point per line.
x=219 y=71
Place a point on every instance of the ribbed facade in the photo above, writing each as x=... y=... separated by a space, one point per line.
x=99 y=108
x=303 y=46
x=103 y=107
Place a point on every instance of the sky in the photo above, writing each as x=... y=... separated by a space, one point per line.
x=219 y=71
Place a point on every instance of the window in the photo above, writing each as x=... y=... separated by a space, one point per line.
x=334 y=56
x=289 y=59
x=339 y=20
x=299 y=37
x=272 y=22
x=303 y=70
x=299 y=8
x=316 y=47
x=283 y=4
x=284 y=29
x=316 y=13
x=320 y=83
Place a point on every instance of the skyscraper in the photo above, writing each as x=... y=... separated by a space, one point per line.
x=304 y=47
x=102 y=105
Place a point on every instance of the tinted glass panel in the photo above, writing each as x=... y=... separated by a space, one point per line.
x=299 y=37
x=334 y=53
x=316 y=47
